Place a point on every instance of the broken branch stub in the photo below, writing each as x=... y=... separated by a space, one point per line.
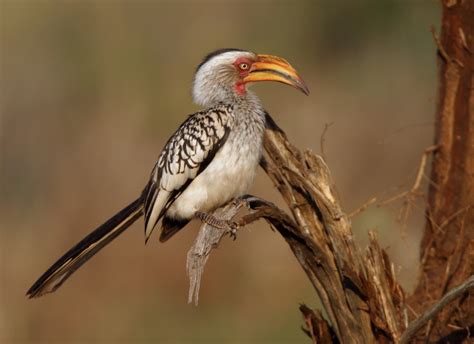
x=209 y=236
x=207 y=239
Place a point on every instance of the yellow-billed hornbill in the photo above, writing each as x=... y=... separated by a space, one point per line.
x=211 y=158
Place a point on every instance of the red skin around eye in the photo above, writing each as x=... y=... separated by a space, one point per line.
x=240 y=86
x=241 y=60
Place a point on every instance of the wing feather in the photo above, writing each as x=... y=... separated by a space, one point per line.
x=186 y=154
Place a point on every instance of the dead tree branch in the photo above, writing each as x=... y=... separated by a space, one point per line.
x=359 y=292
x=352 y=295
x=418 y=324
x=207 y=239
x=209 y=236
x=363 y=301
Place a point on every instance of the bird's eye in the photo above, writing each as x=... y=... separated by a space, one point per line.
x=244 y=66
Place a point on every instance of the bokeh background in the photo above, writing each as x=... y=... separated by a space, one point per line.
x=90 y=92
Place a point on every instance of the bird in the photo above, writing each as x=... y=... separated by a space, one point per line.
x=210 y=160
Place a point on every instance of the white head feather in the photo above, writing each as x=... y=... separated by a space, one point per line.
x=215 y=78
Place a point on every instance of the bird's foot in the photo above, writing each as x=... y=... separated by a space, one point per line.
x=230 y=226
x=233 y=230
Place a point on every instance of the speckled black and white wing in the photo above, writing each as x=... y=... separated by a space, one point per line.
x=186 y=154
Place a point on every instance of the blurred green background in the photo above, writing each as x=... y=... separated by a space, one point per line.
x=90 y=92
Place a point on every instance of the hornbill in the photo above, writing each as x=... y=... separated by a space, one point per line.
x=211 y=158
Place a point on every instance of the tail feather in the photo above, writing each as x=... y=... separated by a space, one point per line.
x=72 y=260
x=171 y=226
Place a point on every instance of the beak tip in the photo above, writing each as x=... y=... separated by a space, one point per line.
x=303 y=88
x=274 y=68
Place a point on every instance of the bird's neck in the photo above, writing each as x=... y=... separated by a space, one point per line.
x=248 y=103
x=212 y=95
x=244 y=106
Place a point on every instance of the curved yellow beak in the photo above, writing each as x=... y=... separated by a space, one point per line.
x=274 y=68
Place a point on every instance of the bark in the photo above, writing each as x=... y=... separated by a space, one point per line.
x=447 y=248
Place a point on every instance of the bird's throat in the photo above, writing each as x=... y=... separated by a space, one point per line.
x=240 y=88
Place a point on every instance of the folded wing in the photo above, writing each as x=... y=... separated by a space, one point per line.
x=186 y=154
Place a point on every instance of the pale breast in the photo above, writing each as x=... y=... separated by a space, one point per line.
x=229 y=175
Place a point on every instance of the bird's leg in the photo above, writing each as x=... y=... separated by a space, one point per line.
x=213 y=221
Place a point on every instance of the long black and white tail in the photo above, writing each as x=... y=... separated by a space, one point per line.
x=73 y=259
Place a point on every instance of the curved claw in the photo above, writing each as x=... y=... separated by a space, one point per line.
x=233 y=230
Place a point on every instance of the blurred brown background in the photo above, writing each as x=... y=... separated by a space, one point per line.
x=90 y=92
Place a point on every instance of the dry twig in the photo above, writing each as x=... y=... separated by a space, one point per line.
x=409 y=196
x=429 y=315
x=322 y=140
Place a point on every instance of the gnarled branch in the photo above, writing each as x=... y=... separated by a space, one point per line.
x=359 y=292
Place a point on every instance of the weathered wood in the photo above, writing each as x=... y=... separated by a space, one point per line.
x=305 y=184
x=208 y=238
x=355 y=298
x=359 y=292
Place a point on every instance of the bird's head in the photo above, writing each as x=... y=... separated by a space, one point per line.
x=223 y=75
